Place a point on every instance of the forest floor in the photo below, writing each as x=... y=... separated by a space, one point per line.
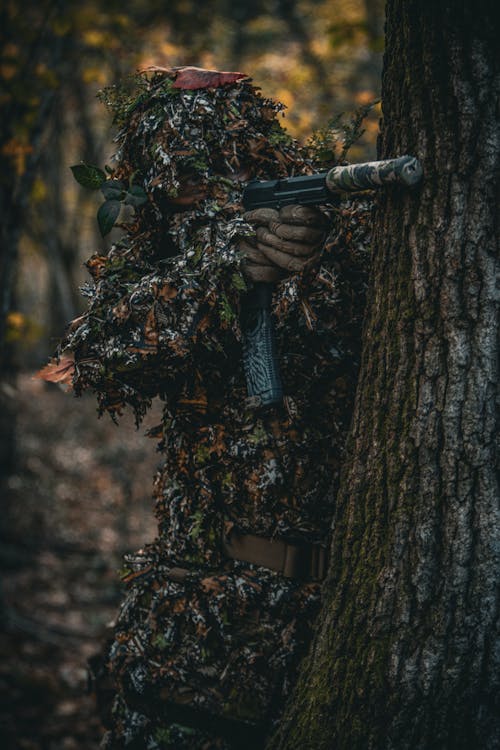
x=79 y=499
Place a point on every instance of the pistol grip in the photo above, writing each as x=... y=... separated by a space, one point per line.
x=260 y=356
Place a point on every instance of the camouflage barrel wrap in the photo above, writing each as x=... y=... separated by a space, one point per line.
x=405 y=171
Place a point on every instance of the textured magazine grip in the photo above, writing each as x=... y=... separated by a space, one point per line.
x=260 y=357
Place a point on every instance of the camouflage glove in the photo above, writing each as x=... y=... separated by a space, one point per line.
x=286 y=241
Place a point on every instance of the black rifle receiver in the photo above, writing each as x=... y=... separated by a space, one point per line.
x=308 y=190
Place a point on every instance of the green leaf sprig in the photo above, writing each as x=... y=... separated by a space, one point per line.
x=115 y=193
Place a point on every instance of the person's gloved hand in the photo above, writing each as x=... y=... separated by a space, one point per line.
x=286 y=241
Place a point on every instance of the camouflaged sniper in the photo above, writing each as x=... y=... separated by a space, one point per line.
x=212 y=627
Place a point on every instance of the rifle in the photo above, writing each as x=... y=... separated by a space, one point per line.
x=260 y=358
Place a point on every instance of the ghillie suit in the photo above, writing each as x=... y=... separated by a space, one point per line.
x=217 y=616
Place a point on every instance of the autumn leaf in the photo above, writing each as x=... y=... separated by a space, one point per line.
x=309 y=315
x=96 y=266
x=219 y=443
x=168 y=291
x=128 y=577
x=151 y=330
x=212 y=584
x=75 y=323
x=199 y=402
x=198 y=78
x=203 y=324
x=122 y=311
x=155 y=432
x=58 y=371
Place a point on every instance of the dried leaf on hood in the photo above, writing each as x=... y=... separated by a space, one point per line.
x=58 y=371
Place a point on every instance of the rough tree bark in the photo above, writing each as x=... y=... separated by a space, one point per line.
x=407 y=652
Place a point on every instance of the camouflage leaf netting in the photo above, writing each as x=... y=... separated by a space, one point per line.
x=205 y=660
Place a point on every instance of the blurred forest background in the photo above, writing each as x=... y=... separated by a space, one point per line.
x=76 y=491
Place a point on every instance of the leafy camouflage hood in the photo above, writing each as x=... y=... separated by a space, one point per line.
x=167 y=293
x=213 y=129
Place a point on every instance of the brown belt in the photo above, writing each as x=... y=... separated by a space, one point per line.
x=303 y=561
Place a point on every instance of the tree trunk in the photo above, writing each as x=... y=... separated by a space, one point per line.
x=407 y=653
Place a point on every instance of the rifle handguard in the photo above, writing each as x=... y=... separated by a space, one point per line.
x=260 y=357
